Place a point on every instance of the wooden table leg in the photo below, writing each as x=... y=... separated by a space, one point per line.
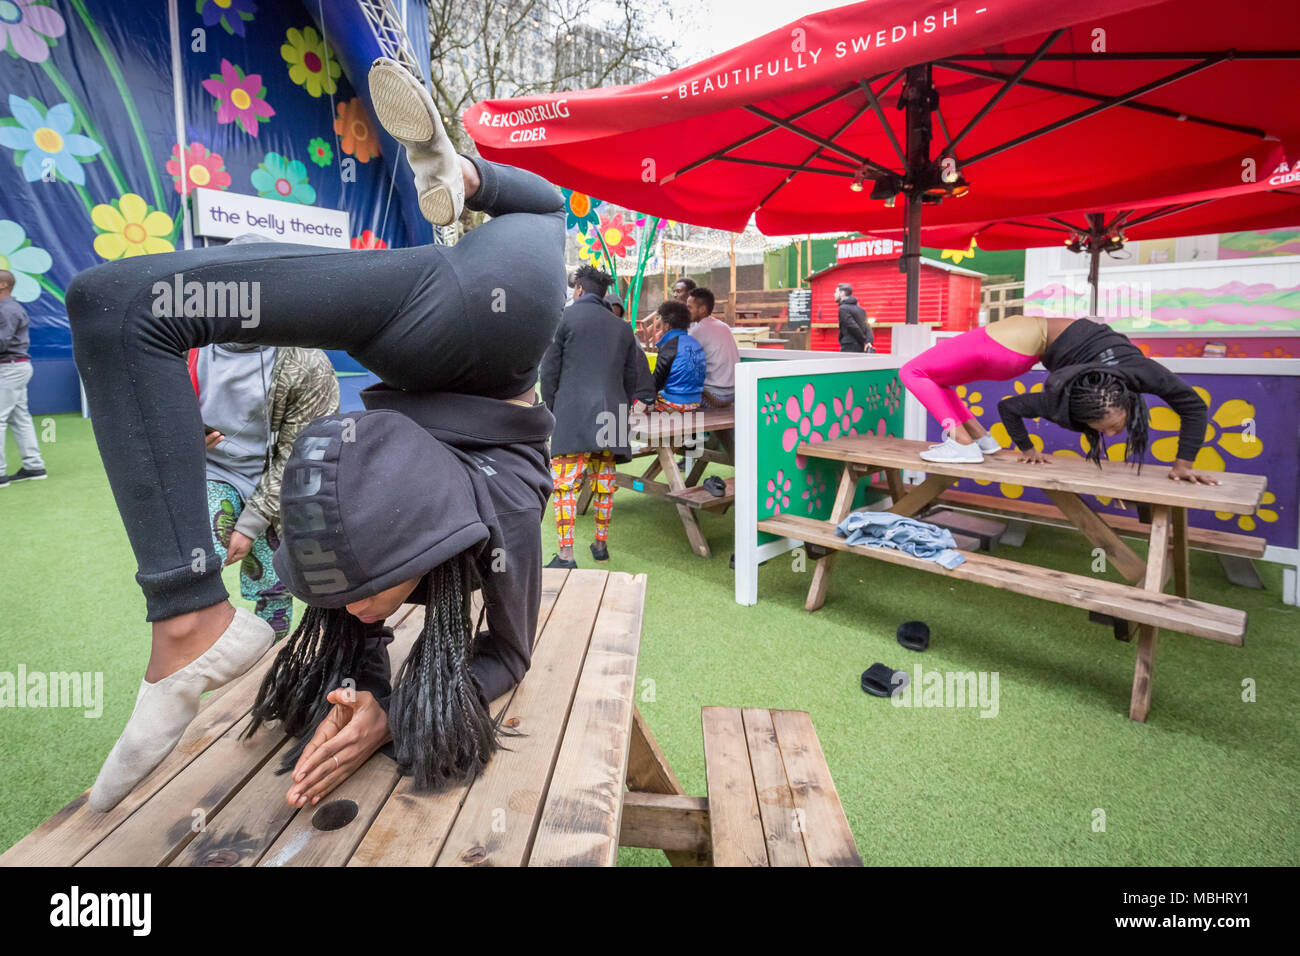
x=697 y=472
x=822 y=569
x=1182 y=565
x=919 y=498
x=896 y=487
x=653 y=469
x=668 y=464
x=648 y=772
x=1148 y=635
x=1127 y=561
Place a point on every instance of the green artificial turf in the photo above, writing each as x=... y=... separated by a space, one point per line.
x=1209 y=779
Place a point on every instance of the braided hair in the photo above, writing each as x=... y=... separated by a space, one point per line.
x=1092 y=395
x=443 y=731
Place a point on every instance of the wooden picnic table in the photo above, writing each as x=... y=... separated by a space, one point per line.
x=662 y=437
x=554 y=797
x=1141 y=601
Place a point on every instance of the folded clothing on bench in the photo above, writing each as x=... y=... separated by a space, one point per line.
x=881 y=529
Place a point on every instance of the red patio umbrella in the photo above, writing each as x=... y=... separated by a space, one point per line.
x=1031 y=107
x=1271 y=203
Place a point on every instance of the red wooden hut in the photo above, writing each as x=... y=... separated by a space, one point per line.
x=950 y=295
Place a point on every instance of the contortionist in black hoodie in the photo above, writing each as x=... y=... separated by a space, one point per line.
x=420 y=499
x=472 y=319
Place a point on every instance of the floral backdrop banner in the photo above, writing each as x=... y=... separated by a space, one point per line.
x=815 y=408
x=90 y=162
x=1252 y=429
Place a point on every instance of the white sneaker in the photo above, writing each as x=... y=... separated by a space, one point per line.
x=406 y=110
x=952 y=451
x=989 y=445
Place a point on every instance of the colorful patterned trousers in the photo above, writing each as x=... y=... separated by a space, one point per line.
x=257 y=580
x=566 y=473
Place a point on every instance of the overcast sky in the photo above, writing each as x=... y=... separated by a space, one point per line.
x=705 y=27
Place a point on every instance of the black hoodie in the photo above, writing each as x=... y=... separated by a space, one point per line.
x=1087 y=346
x=480 y=482
x=855 y=333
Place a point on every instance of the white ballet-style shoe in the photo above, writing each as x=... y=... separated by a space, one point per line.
x=165 y=708
x=406 y=110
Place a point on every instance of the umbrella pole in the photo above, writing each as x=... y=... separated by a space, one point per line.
x=921 y=102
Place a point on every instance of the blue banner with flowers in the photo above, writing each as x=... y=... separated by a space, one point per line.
x=91 y=162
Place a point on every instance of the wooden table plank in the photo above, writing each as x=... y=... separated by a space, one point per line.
x=254 y=817
x=672 y=822
x=412 y=827
x=735 y=823
x=826 y=832
x=582 y=815
x=1237 y=493
x=781 y=829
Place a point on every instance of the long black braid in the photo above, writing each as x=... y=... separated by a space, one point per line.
x=1092 y=395
x=443 y=731
x=328 y=645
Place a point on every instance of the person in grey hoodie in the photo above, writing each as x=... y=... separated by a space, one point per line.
x=423 y=498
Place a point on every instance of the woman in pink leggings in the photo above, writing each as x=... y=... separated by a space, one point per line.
x=1095 y=385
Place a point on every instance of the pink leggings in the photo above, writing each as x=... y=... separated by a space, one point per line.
x=970 y=357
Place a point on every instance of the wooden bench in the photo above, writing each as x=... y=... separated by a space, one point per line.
x=555 y=797
x=1141 y=601
x=771 y=800
x=699 y=497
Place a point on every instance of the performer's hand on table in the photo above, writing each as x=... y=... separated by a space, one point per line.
x=1035 y=457
x=237 y=550
x=355 y=728
x=1182 y=471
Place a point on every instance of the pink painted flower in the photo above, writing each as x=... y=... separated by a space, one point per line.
x=239 y=97
x=845 y=416
x=202 y=168
x=815 y=491
x=28 y=29
x=778 y=489
x=805 y=419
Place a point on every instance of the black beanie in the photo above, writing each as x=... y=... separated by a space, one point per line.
x=369 y=500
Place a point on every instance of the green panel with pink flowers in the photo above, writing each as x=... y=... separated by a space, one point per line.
x=815 y=408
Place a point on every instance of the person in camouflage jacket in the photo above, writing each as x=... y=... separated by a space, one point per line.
x=256 y=400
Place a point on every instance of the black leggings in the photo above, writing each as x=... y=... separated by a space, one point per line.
x=473 y=318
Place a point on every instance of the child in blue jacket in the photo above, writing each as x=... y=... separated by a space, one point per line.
x=681 y=364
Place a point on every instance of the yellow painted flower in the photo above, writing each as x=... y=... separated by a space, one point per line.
x=999 y=433
x=1234 y=413
x=957 y=255
x=1247 y=522
x=310 y=65
x=1020 y=389
x=970 y=398
x=1115 y=451
x=128 y=228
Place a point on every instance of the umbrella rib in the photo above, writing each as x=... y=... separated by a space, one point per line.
x=1086 y=94
x=874 y=101
x=1100 y=107
x=772 y=164
x=759 y=134
x=813 y=155
x=1147 y=55
x=1003 y=90
x=1039 y=225
x=820 y=140
x=1164 y=211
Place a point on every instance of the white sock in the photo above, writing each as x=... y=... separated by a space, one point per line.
x=165 y=708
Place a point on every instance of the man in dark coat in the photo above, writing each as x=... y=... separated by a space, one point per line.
x=591 y=375
x=855 y=334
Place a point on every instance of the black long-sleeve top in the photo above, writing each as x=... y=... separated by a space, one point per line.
x=1091 y=346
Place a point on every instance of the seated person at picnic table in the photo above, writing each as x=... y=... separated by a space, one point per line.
x=720 y=351
x=472 y=319
x=681 y=366
x=1095 y=384
x=421 y=499
x=651 y=327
